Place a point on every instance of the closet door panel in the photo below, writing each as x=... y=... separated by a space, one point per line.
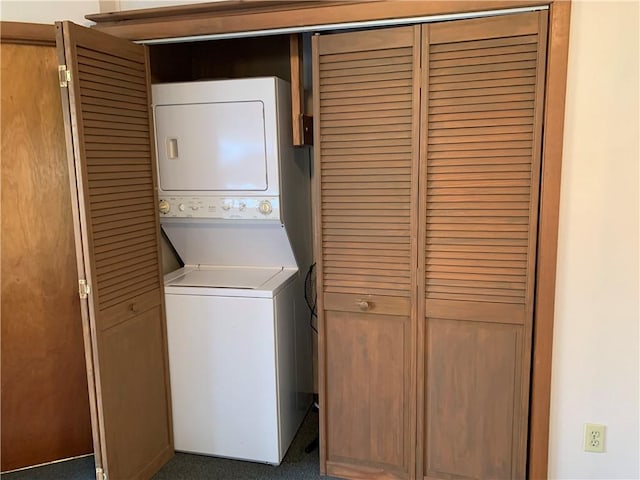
x=366 y=87
x=44 y=397
x=483 y=92
x=474 y=369
x=360 y=393
x=112 y=163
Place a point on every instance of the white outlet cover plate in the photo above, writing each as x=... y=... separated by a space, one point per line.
x=594 y=436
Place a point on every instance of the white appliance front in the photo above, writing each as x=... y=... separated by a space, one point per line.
x=212 y=146
x=233 y=374
x=218 y=138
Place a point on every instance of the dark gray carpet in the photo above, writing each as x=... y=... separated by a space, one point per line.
x=297 y=465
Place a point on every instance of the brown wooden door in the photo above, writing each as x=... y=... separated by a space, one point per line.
x=45 y=404
x=482 y=106
x=367 y=100
x=110 y=140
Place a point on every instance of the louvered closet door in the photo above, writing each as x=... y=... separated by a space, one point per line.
x=481 y=160
x=366 y=99
x=113 y=166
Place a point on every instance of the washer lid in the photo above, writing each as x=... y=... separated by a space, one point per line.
x=226 y=277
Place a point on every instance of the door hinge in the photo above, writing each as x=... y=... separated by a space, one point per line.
x=100 y=474
x=64 y=75
x=83 y=288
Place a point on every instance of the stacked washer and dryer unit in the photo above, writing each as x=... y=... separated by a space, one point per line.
x=234 y=200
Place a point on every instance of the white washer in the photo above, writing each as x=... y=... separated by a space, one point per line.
x=232 y=354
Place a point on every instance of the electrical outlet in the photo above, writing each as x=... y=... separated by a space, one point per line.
x=594 y=437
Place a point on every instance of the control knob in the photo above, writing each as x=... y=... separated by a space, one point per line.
x=265 y=207
x=164 y=206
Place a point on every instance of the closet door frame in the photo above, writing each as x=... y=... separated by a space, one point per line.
x=544 y=301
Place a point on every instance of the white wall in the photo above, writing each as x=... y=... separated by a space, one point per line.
x=595 y=349
x=43 y=11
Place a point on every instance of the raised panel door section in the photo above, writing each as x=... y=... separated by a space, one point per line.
x=367 y=357
x=481 y=137
x=471 y=426
x=366 y=88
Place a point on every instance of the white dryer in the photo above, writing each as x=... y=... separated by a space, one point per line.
x=234 y=203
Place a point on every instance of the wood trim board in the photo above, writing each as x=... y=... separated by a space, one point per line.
x=557 y=59
x=27 y=33
x=253 y=15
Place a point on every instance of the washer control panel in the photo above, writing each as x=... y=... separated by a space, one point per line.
x=228 y=208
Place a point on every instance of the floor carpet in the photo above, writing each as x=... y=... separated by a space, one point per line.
x=297 y=465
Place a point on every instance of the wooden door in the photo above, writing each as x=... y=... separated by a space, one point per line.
x=366 y=102
x=111 y=159
x=480 y=166
x=45 y=404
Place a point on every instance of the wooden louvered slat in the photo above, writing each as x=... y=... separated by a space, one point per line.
x=399 y=143
x=357 y=79
x=468 y=55
x=109 y=110
x=485 y=82
x=105 y=236
x=509 y=41
x=115 y=262
x=119 y=126
x=481 y=94
x=474 y=104
x=370 y=94
x=480 y=109
x=365 y=102
x=85 y=54
x=360 y=261
x=364 y=109
x=350 y=60
x=121 y=66
x=356 y=123
x=380 y=115
x=117 y=105
x=113 y=87
x=98 y=118
x=115 y=271
x=113 y=296
x=119 y=188
x=451 y=61
x=118 y=222
x=106 y=76
x=356 y=74
x=437 y=73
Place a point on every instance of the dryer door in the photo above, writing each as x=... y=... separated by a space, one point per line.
x=218 y=146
